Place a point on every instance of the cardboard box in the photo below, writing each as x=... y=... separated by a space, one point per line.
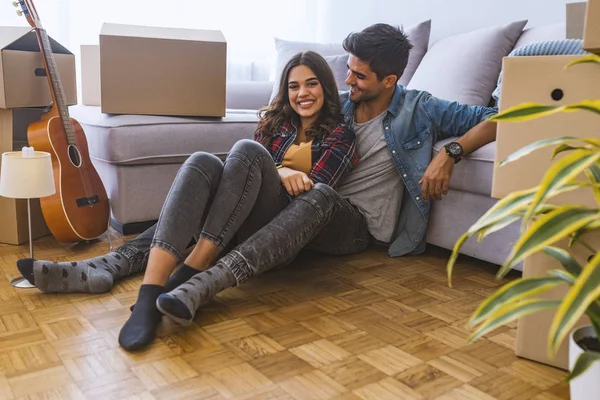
x=575 y=19
x=591 y=35
x=534 y=79
x=532 y=330
x=162 y=71
x=14 y=228
x=90 y=75
x=23 y=81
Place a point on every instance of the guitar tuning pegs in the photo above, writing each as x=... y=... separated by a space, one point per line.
x=14 y=3
x=19 y=13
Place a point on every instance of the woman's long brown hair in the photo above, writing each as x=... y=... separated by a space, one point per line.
x=280 y=111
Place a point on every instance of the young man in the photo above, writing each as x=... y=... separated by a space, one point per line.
x=384 y=199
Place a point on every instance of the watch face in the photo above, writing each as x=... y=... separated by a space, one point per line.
x=454 y=149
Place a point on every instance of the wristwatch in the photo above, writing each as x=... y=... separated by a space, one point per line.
x=454 y=150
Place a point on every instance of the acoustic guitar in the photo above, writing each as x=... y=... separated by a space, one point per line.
x=79 y=210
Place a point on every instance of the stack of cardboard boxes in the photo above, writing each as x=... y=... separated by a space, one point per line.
x=544 y=79
x=24 y=97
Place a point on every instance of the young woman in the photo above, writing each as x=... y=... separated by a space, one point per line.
x=299 y=142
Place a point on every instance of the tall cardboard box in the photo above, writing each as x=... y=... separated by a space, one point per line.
x=23 y=81
x=543 y=79
x=575 y=19
x=532 y=330
x=14 y=227
x=591 y=34
x=90 y=75
x=162 y=71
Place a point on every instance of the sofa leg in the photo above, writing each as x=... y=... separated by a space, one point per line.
x=131 y=228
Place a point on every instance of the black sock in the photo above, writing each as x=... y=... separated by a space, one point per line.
x=181 y=275
x=140 y=328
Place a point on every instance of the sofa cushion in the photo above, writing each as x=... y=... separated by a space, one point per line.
x=475 y=171
x=149 y=139
x=542 y=33
x=465 y=67
x=334 y=53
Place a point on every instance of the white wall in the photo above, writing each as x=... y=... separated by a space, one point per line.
x=339 y=17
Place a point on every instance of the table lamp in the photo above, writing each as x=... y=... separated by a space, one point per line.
x=26 y=174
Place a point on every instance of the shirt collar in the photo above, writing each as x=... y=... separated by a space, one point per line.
x=393 y=108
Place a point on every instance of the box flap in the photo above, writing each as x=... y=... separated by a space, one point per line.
x=139 y=31
x=8 y=34
x=28 y=42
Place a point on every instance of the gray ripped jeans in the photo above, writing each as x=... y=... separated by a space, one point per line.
x=243 y=200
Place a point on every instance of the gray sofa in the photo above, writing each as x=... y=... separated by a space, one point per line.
x=137 y=156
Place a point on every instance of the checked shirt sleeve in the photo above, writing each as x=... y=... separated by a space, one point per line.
x=338 y=156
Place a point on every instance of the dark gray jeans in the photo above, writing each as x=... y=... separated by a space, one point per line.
x=217 y=201
x=271 y=227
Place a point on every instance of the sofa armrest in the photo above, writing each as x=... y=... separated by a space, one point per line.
x=248 y=95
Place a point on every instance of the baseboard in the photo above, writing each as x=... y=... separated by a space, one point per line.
x=131 y=228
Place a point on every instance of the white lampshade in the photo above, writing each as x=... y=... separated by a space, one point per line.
x=26 y=174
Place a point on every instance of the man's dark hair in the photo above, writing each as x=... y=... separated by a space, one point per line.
x=383 y=46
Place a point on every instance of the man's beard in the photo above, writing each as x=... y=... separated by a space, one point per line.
x=363 y=97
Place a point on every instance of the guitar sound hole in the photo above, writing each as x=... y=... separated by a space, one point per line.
x=74 y=156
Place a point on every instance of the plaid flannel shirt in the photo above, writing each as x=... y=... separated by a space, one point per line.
x=332 y=157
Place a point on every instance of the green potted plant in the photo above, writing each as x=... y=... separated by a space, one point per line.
x=542 y=226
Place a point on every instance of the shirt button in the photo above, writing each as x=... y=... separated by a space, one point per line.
x=418 y=198
x=404 y=175
x=418 y=142
x=387 y=127
x=393 y=151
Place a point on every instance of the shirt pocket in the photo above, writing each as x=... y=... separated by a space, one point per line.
x=417 y=140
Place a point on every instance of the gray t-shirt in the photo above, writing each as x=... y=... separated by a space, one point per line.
x=374 y=185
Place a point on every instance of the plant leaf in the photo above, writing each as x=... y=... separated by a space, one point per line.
x=587 y=105
x=584 y=361
x=568 y=262
x=539 y=144
x=584 y=292
x=512 y=292
x=593 y=174
x=562 y=148
x=564 y=275
x=547 y=230
x=500 y=224
x=592 y=58
x=514 y=203
x=511 y=312
x=454 y=256
x=525 y=111
x=560 y=173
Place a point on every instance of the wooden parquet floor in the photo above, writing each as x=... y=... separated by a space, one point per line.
x=360 y=327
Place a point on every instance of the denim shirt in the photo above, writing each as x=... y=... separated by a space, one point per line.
x=414 y=122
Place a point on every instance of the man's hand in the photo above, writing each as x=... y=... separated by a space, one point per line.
x=437 y=176
x=295 y=182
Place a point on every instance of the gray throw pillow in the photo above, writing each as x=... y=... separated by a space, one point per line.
x=465 y=67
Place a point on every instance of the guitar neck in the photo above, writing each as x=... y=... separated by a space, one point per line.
x=57 y=92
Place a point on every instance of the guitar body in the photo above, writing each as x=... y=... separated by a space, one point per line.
x=79 y=210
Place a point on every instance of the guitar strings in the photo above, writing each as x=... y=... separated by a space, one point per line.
x=64 y=114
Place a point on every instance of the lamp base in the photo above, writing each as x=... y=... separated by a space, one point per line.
x=21 y=283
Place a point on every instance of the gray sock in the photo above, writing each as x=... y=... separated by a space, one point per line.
x=94 y=275
x=181 y=303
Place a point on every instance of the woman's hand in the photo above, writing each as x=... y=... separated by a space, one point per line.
x=295 y=182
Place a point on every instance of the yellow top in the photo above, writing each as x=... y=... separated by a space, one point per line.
x=299 y=157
